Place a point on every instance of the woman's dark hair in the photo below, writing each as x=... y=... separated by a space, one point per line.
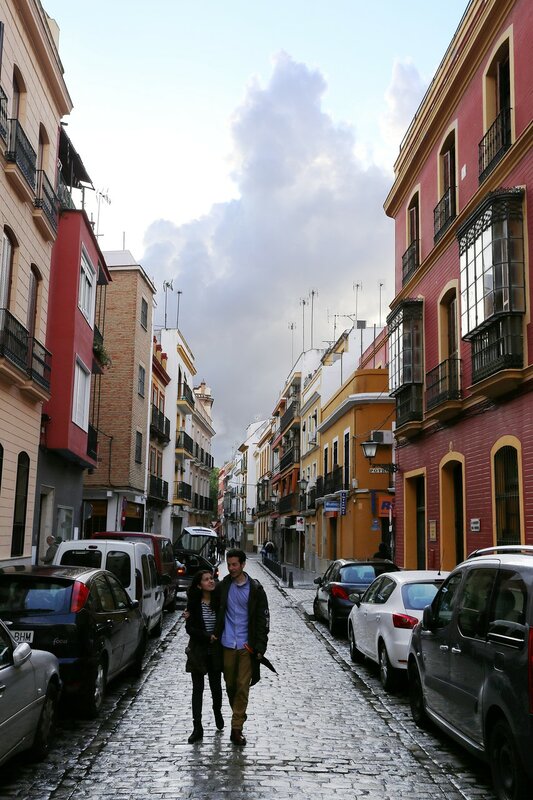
x=194 y=591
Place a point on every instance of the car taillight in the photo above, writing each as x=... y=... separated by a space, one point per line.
x=338 y=591
x=80 y=593
x=181 y=570
x=530 y=669
x=405 y=621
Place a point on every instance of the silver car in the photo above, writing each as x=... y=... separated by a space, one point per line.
x=29 y=693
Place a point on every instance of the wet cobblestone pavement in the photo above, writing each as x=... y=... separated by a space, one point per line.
x=322 y=728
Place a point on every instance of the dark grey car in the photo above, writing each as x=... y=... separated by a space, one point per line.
x=471 y=663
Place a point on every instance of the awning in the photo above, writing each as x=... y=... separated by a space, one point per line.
x=72 y=169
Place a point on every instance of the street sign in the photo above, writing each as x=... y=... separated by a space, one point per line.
x=375 y=525
x=331 y=505
x=378 y=470
x=343 y=503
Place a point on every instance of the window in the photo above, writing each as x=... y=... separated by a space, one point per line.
x=1 y=464
x=411 y=257
x=142 y=381
x=21 y=501
x=81 y=395
x=507 y=497
x=472 y=617
x=65 y=521
x=444 y=211
x=87 y=288
x=144 y=313
x=508 y=613
x=33 y=291
x=491 y=249
x=138 y=447
x=335 y=453
x=325 y=460
x=498 y=127
x=445 y=601
x=347 y=460
x=6 y=266
x=405 y=336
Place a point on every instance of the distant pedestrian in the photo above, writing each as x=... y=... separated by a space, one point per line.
x=232 y=542
x=383 y=551
x=242 y=626
x=53 y=543
x=204 y=653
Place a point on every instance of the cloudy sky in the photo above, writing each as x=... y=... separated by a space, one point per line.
x=246 y=149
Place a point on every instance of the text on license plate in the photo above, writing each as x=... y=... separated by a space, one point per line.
x=22 y=636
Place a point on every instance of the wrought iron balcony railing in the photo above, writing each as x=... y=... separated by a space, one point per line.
x=20 y=152
x=499 y=346
x=40 y=366
x=410 y=261
x=46 y=198
x=184 y=442
x=182 y=490
x=64 y=195
x=333 y=481
x=409 y=404
x=495 y=143
x=319 y=487
x=159 y=424
x=444 y=213
x=288 y=503
x=290 y=414
x=3 y=114
x=13 y=340
x=292 y=456
x=158 y=488
x=187 y=394
x=443 y=383
x=92 y=442
x=308 y=500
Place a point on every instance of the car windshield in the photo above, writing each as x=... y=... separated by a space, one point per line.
x=358 y=573
x=33 y=595
x=416 y=596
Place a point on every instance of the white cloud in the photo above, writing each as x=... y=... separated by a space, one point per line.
x=309 y=215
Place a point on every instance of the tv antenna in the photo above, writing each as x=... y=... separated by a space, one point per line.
x=166 y=286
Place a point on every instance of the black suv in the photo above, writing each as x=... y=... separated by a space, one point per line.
x=471 y=663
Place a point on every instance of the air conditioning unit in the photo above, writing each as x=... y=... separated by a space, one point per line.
x=382 y=437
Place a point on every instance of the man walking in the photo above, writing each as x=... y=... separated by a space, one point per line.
x=242 y=628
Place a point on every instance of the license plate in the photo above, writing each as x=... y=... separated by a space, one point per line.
x=22 y=636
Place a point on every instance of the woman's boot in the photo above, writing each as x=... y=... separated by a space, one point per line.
x=219 y=719
x=197 y=732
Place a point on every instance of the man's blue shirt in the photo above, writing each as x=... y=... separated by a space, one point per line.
x=235 y=634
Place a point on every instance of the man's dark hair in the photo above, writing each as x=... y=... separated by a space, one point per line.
x=235 y=552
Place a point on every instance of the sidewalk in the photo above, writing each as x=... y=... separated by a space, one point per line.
x=303 y=589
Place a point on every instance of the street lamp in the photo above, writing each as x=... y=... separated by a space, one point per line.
x=302 y=483
x=369 y=452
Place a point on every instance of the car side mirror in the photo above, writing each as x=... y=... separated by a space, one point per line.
x=318 y=581
x=21 y=654
x=355 y=598
x=134 y=604
x=428 y=620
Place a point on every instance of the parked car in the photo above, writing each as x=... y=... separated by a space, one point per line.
x=342 y=577
x=194 y=549
x=29 y=692
x=471 y=663
x=161 y=547
x=383 y=617
x=83 y=616
x=132 y=563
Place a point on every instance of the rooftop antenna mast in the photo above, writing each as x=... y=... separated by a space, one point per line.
x=335 y=318
x=166 y=286
x=101 y=196
x=303 y=302
x=292 y=327
x=313 y=293
x=380 y=288
x=178 y=309
x=357 y=287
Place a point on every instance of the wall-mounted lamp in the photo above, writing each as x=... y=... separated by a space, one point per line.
x=302 y=483
x=370 y=450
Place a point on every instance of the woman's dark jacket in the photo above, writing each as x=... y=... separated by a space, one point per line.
x=200 y=640
x=258 y=618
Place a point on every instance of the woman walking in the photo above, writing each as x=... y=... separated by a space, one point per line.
x=204 y=654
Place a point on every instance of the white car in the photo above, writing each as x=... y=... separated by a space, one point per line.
x=29 y=692
x=382 y=619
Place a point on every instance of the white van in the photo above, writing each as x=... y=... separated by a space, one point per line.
x=132 y=563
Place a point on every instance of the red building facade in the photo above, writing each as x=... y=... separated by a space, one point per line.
x=460 y=333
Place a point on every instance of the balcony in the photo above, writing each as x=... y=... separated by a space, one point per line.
x=444 y=213
x=92 y=442
x=13 y=341
x=289 y=503
x=292 y=456
x=45 y=207
x=443 y=389
x=3 y=115
x=64 y=195
x=333 y=481
x=409 y=405
x=264 y=507
x=495 y=143
x=158 y=489
x=185 y=401
x=292 y=413
x=498 y=356
x=159 y=425
x=22 y=160
x=185 y=443
x=410 y=261
x=308 y=500
x=319 y=487
x=40 y=366
x=182 y=492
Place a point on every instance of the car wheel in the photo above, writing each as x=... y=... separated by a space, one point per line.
x=333 y=624
x=387 y=674
x=137 y=665
x=94 y=697
x=508 y=774
x=316 y=609
x=46 y=724
x=355 y=654
x=158 y=627
x=172 y=605
x=416 y=697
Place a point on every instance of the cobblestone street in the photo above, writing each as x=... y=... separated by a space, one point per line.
x=323 y=728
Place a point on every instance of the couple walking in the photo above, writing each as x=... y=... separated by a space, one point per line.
x=228 y=626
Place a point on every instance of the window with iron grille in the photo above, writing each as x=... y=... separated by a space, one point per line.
x=138 y=447
x=507 y=499
x=491 y=251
